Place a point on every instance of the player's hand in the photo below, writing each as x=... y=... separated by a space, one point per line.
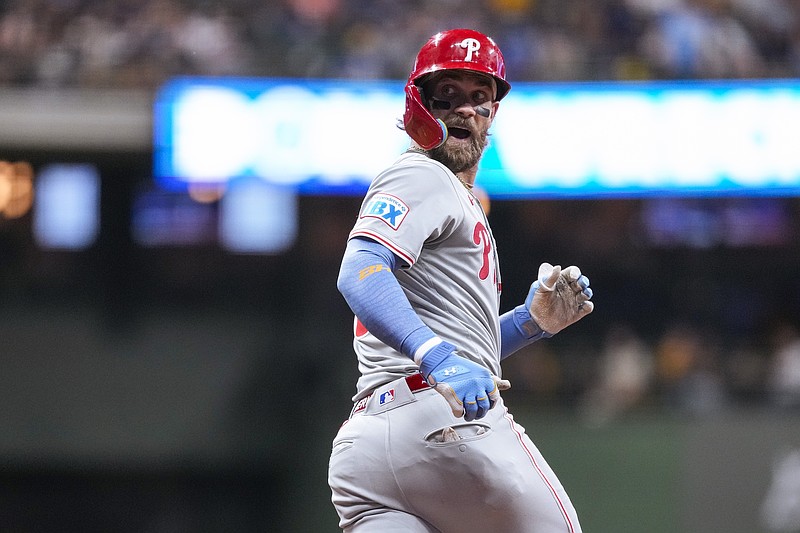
x=470 y=389
x=559 y=298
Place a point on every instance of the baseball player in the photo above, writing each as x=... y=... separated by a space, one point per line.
x=429 y=445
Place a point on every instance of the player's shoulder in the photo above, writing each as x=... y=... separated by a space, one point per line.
x=417 y=171
x=421 y=162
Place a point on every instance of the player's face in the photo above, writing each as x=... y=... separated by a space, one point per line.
x=465 y=102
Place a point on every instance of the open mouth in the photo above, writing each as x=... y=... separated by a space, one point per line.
x=459 y=133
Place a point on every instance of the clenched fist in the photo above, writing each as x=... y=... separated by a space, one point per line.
x=559 y=297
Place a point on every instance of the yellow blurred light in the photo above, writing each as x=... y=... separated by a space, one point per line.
x=206 y=193
x=16 y=188
x=18 y=207
x=5 y=184
x=513 y=6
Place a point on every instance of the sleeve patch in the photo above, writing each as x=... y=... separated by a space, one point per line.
x=390 y=209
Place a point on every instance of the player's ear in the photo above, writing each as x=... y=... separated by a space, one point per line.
x=495 y=107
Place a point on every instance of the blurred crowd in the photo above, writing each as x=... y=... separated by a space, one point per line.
x=687 y=370
x=116 y=43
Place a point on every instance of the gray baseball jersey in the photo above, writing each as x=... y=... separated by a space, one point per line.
x=419 y=209
x=402 y=462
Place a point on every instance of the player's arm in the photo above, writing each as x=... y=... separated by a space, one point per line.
x=368 y=284
x=557 y=299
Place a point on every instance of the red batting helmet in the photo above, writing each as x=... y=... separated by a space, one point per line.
x=461 y=49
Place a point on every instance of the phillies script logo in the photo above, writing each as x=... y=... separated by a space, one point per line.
x=390 y=209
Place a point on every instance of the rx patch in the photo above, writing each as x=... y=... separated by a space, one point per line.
x=390 y=209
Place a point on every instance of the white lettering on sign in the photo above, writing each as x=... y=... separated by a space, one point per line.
x=589 y=138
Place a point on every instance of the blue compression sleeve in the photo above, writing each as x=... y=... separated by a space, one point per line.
x=517 y=330
x=367 y=282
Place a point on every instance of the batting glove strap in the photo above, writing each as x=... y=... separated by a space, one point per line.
x=434 y=356
x=526 y=325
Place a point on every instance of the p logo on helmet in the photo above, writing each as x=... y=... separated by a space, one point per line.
x=459 y=49
x=472 y=45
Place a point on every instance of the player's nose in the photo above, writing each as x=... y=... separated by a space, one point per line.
x=465 y=110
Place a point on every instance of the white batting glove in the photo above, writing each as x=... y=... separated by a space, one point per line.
x=559 y=298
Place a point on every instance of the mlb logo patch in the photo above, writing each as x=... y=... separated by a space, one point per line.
x=386 y=397
x=390 y=209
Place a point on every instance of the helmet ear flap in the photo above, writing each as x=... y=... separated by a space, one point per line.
x=427 y=131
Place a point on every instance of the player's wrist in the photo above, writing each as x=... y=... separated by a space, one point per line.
x=527 y=325
x=424 y=348
x=434 y=357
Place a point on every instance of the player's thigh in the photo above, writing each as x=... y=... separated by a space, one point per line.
x=391 y=521
x=492 y=477
x=543 y=493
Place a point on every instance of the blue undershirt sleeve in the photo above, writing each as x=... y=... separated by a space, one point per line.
x=370 y=288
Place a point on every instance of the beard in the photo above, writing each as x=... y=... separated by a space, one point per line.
x=458 y=158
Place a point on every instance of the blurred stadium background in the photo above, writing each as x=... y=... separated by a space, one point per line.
x=157 y=375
